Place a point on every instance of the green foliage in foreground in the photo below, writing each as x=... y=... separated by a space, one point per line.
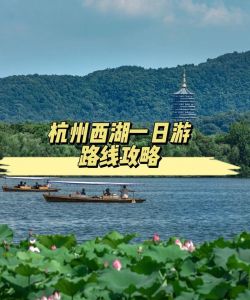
x=150 y=270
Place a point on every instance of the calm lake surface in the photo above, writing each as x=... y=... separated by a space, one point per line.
x=193 y=208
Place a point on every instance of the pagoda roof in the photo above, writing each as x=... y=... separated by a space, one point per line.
x=184 y=90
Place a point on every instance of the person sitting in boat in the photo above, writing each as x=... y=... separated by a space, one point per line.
x=107 y=192
x=47 y=185
x=37 y=185
x=124 y=192
x=83 y=193
x=24 y=186
x=20 y=184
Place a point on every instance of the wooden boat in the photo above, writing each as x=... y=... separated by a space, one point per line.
x=89 y=199
x=23 y=187
x=105 y=198
x=41 y=189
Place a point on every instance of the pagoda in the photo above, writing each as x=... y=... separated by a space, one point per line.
x=183 y=103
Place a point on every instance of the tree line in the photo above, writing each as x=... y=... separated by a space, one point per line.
x=31 y=139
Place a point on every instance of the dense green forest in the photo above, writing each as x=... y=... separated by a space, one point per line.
x=221 y=122
x=234 y=146
x=136 y=94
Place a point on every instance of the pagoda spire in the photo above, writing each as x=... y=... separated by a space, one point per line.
x=183 y=103
x=184 y=82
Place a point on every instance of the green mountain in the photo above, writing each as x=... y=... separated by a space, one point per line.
x=127 y=93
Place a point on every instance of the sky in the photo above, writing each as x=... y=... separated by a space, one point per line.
x=78 y=37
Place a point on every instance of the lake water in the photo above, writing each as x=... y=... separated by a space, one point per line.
x=193 y=208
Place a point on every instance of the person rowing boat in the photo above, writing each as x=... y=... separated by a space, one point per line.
x=124 y=192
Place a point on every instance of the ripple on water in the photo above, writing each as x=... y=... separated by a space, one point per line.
x=196 y=208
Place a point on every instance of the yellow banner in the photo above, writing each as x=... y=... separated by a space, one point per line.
x=68 y=166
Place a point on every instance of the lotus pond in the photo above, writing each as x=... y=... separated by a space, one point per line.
x=114 y=267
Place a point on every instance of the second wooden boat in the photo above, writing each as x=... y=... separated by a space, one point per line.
x=23 y=187
x=28 y=189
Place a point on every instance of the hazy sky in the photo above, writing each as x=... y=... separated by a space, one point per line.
x=81 y=36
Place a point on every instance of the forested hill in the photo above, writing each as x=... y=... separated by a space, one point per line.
x=127 y=93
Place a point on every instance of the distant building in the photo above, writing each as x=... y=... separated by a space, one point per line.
x=183 y=103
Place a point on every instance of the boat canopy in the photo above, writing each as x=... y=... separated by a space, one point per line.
x=92 y=182
x=27 y=178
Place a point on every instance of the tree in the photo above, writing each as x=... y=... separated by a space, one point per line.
x=239 y=140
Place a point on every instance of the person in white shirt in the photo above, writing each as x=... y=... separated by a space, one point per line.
x=124 y=192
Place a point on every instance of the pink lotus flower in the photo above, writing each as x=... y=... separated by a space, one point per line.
x=57 y=295
x=188 y=245
x=156 y=238
x=53 y=247
x=178 y=243
x=34 y=249
x=117 y=265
